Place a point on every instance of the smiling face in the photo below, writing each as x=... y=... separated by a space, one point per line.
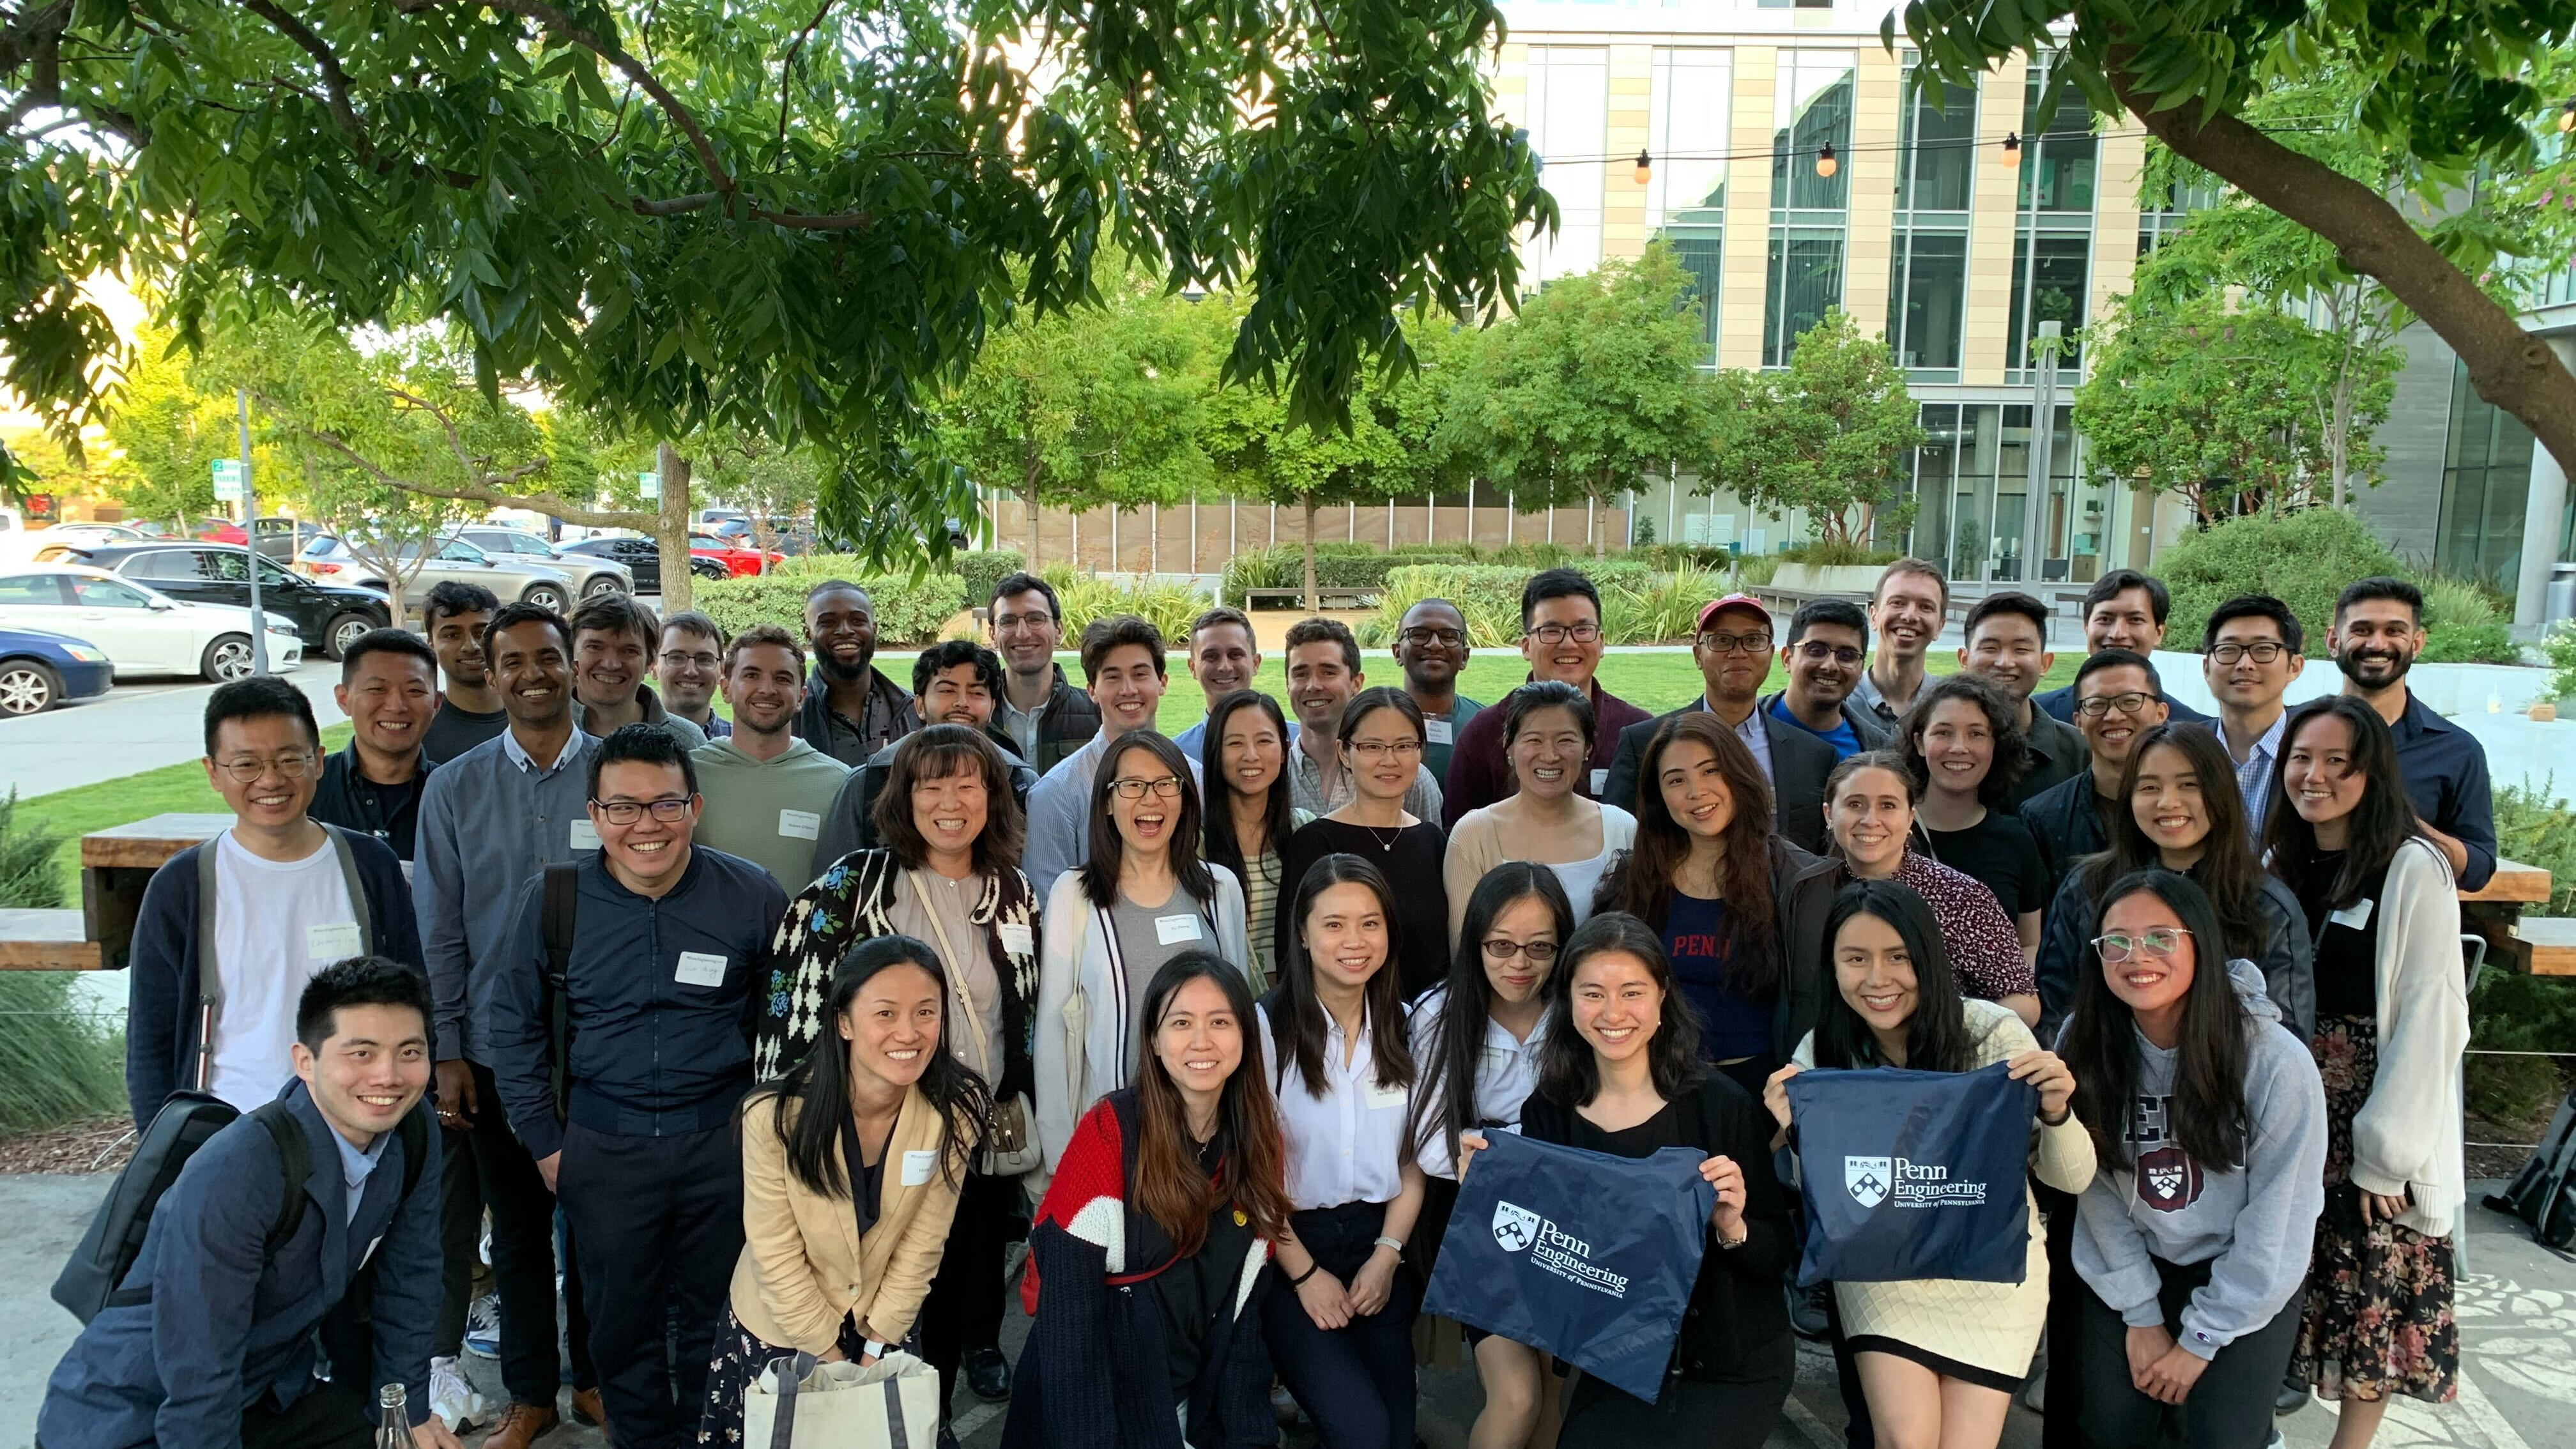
x=1569 y=659
x=957 y=695
x=2008 y=649
x=2375 y=642
x=1346 y=935
x=1869 y=815
x=534 y=672
x=1615 y=1004
x=2148 y=984
x=950 y=812
x=645 y=852
x=1148 y=822
x=841 y=633
x=764 y=688
x=1128 y=689
x=1907 y=614
x=2114 y=732
x=2318 y=773
x=1733 y=652
x=692 y=668
x=1431 y=647
x=1958 y=745
x=1694 y=790
x=372 y=1069
x=2126 y=620
x=457 y=640
x=1874 y=975
x=2167 y=803
x=1825 y=664
x=608 y=667
x=892 y=1025
x=1251 y=752
x=1516 y=978
x=1026 y=632
x=1199 y=1039
x=1320 y=682
x=1223 y=659
x=1548 y=754
x=389 y=698
x=283 y=760
x=1384 y=753
x=2246 y=683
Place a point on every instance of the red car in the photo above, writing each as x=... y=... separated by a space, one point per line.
x=737 y=561
x=218 y=530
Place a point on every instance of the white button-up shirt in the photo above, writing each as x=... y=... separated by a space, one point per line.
x=1506 y=1074
x=1346 y=1146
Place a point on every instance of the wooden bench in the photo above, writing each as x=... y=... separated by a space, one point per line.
x=2548 y=945
x=2494 y=911
x=1364 y=597
x=117 y=863
x=46 y=941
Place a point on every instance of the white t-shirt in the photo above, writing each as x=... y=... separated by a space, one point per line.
x=276 y=925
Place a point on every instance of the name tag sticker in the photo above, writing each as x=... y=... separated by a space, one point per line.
x=799 y=824
x=1437 y=731
x=918 y=1166
x=337 y=941
x=585 y=836
x=1017 y=938
x=1173 y=930
x=1380 y=1097
x=2356 y=915
x=1599 y=779
x=701 y=968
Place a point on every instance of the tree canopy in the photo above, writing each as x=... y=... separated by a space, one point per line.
x=1829 y=436
x=792 y=218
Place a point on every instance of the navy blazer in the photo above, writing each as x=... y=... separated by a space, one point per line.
x=223 y=1330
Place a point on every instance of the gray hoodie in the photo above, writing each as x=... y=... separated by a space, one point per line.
x=2258 y=1223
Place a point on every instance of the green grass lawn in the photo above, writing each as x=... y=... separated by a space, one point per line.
x=1655 y=682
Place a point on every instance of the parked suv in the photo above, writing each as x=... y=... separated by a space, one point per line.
x=329 y=559
x=592 y=576
x=327 y=617
x=641 y=557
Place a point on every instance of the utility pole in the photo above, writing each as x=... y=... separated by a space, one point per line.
x=2044 y=351
x=250 y=535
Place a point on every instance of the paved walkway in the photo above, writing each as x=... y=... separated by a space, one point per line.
x=131 y=728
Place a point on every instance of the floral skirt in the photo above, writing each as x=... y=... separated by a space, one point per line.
x=737 y=1366
x=2378 y=1319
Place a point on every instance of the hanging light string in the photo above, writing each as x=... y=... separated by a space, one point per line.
x=2012 y=145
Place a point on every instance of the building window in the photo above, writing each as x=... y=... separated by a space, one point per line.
x=2050 y=270
x=1812 y=110
x=1688 y=120
x=2486 y=480
x=1928 y=261
x=1929 y=280
x=1937 y=158
x=1569 y=119
x=2059 y=163
x=1806 y=281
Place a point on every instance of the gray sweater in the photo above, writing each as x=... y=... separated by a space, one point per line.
x=2258 y=1222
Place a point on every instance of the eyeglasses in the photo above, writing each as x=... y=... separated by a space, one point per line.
x=2160 y=942
x=1817 y=651
x=2263 y=653
x=1021 y=621
x=1586 y=632
x=627 y=812
x=1539 y=952
x=293 y=764
x=676 y=658
x=1736 y=643
x=1372 y=751
x=2098 y=705
x=1446 y=638
x=1167 y=787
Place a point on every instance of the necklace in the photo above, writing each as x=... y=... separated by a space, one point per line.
x=1385 y=842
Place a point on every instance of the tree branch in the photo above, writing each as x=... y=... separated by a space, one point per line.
x=482 y=491
x=2511 y=368
x=335 y=81
x=787 y=72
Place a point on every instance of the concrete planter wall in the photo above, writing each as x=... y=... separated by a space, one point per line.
x=1828 y=578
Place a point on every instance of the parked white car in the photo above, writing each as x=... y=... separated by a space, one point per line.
x=143 y=630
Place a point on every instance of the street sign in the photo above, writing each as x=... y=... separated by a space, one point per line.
x=650 y=480
x=228 y=480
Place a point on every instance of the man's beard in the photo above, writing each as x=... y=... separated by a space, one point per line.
x=839 y=673
x=2352 y=664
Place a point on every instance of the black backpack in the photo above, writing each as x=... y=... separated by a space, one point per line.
x=91 y=1281
x=2543 y=1193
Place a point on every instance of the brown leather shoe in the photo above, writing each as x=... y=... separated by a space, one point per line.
x=521 y=1425
x=586 y=1407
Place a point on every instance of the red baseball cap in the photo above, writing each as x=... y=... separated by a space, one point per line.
x=1716 y=607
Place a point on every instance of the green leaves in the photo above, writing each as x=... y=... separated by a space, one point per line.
x=1828 y=435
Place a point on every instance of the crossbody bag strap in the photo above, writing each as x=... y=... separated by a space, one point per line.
x=357 y=888
x=956 y=973
x=210 y=986
x=1117 y=984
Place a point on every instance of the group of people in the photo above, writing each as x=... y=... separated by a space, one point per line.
x=775 y=1029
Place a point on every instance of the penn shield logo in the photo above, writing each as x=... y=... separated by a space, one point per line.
x=1515 y=1227
x=2168 y=1180
x=1865 y=1178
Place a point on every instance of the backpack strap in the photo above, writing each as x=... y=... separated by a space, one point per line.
x=556 y=911
x=210 y=986
x=295 y=1163
x=357 y=888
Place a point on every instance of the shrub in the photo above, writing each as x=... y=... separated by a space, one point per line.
x=1838 y=553
x=1636 y=601
x=2304 y=559
x=1337 y=565
x=983 y=569
x=1168 y=607
x=2470 y=644
x=909 y=610
x=2518 y=1013
x=57 y=1064
x=2532 y=827
x=1754 y=571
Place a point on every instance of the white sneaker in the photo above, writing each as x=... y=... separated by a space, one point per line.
x=451 y=1398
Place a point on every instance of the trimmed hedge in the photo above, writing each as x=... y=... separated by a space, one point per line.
x=1638 y=604
x=2303 y=559
x=1337 y=566
x=909 y=610
x=983 y=569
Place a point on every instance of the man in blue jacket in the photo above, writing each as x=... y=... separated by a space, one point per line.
x=275 y=898
x=227 y=1347
x=666 y=940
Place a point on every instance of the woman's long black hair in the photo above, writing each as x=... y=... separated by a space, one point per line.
x=1297 y=1027
x=1567 y=1072
x=2100 y=1043
x=1444 y=1095
x=1936 y=1036
x=1278 y=812
x=1108 y=847
x=2228 y=872
x=811 y=1102
x=2383 y=821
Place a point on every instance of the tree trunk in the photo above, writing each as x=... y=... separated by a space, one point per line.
x=2509 y=367
x=671 y=530
x=1029 y=491
x=1309 y=500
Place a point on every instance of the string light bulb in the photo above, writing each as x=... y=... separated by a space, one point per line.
x=1645 y=167
x=2012 y=149
x=1826 y=165
x=2567 y=117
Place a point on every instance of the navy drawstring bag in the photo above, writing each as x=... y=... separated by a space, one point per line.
x=1581 y=1254
x=1908 y=1175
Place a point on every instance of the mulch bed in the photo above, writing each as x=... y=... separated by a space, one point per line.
x=98 y=1145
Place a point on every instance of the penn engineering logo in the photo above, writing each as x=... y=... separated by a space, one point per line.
x=1873 y=1180
x=1554 y=1250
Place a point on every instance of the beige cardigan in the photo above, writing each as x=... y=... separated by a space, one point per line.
x=804 y=1266
x=2407 y=1135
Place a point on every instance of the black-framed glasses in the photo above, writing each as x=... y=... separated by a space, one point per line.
x=1022 y=621
x=627 y=812
x=1716 y=643
x=1586 y=632
x=2160 y=942
x=1447 y=638
x=1539 y=952
x=2264 y=652
x=2130 y=702
x=1817 y=651
x=1165 y=787
x=293 y=764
